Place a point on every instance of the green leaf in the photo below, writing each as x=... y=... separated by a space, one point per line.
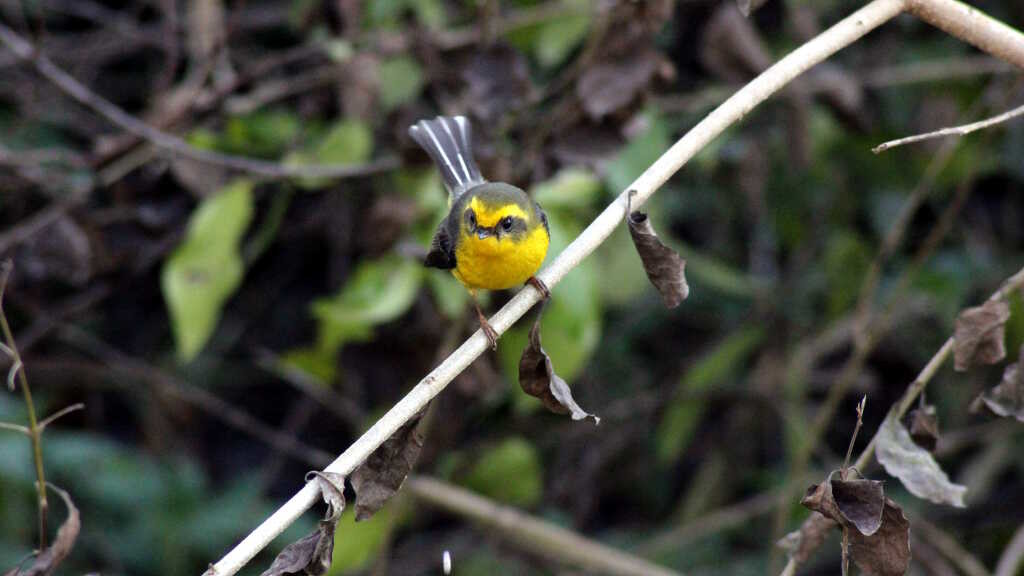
x=450 y=296
x=571 y=189
x=558 y=37
x=640 y=153
x=347 y=142
x=401 y=81
x=378 y=292
x=509 y=472
x=206 y=269
x=847 y=258
x=721 y=363
x=357 y=544
x=317 y=363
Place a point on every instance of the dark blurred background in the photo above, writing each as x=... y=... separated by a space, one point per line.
x=224 y=344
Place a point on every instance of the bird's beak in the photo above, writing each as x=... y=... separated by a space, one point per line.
x=482 y=233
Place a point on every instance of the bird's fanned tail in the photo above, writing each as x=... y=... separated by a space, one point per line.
x=448 y=141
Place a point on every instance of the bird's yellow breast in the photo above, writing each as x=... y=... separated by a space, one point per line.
x=497 y=264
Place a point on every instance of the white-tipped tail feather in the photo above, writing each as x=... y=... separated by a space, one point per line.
x=448 y=141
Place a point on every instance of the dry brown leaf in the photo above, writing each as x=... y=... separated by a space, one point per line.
x=309 y=555
x=46 y=562
x=332 y=489
x=382 y=474
x=860 y=502
x=924 y=427
x=312 y=554
x=538 y=379
x=979 y=335
x=914 y=466
x=879 y=533
x=612 y=84
x=665 y=269
x=887 y=551
x=1007 y=398
x=855 y=502
x=497 y=80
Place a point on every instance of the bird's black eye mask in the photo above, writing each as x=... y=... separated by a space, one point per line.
x=513 y=226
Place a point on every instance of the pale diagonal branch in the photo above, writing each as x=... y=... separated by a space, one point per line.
x=952 y=130
x=732 y=110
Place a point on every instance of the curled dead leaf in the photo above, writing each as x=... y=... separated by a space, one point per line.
x=48 y=560
x=332 y=489
x=914 y=466
x=1007 y=398
x=855 y=502
x=665 y=269
x=309 y=555
x=924 y=427
x=979 y=335
x=538 y=379
x=887 y=551
x=879 y=533
x=378 y=478
x=312 y=554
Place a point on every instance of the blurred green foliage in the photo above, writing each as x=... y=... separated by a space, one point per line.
x=777 y=248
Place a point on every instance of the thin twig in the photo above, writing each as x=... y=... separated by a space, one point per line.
x=1013 y=555
x=1012 y=284
x=732 y=110
x=62 y=412
x=946 y=544
x=83 y=95
x=34 y=432
x=952 y=130
x=853 y=438
x=16 y=428
x=543 y=537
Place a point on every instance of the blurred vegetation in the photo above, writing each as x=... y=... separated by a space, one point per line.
x=302 y=302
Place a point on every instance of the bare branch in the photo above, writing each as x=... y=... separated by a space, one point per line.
x=16 y=428
x=952 y=130
x=972 y=26
x=83 y=95
x=732 y=110
x=1010 y=285
x=62 y=412
x=543 y=537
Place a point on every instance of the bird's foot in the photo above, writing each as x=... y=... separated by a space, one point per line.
x=488 y=330
x=540 y=286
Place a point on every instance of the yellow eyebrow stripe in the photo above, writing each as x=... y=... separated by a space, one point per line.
x=488 y=218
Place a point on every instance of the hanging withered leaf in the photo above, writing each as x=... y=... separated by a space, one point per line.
x=382 y=474
x=979 y=334
x=855 y=502
x=924 y=427
x=665 y=269
x=1007 y=398
x=914 y=466
x=312 y=554
x=538 y=379
x=887 y=551
x=879 y=533
x=48 y=560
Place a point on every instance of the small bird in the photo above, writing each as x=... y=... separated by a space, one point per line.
x=494 y=236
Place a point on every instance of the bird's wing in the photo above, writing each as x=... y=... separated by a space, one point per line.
x=442 y=249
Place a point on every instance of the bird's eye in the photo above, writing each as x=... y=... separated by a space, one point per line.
x=471 y=219
x=506 y=223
